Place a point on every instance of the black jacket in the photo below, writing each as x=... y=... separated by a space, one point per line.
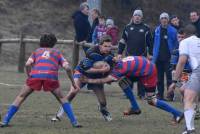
x=197 y=25
x=82 y=26
x=136 y=37
x=94 y=24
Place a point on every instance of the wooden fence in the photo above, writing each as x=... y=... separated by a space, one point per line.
x=22 y=52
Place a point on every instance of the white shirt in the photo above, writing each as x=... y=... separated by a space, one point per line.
x=191 y=47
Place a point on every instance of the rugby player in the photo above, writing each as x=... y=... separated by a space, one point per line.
x=96 y=65
x=42 y=71
x=189 y=49
x=140 y=69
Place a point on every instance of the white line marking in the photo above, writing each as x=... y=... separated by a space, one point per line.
x=10 y=85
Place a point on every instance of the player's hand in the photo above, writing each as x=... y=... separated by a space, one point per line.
x=119 y=56
x=149 y=57
x=105 y=68
x=171 y=89
x=84 y=79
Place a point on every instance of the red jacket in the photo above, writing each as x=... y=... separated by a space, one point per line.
x=114 y=33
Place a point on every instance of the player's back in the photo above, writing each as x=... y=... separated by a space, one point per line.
x=46 y=63
x=136 y=66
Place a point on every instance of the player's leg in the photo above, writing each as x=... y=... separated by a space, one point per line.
x=66 y=106
x=191 y=90
x=125 y=83
x=98 y=89
x=189 y=108
x=24 y=93
x=72 y=93
x=150 y=84
x=141 y=90
x=161 y=104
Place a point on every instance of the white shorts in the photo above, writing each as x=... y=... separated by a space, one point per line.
x=194 y=81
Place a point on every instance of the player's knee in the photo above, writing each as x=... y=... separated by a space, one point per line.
x=74 y=92
x=151 y=100
x=189 y=97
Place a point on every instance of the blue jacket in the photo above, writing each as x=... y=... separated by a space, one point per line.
x=172 y=41
x=174 y=61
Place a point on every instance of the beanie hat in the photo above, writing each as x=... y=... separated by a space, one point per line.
x=138 y=13
x=109 y=22
x=164 y=15
x=83 y=5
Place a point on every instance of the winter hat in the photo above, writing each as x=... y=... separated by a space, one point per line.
x=83 y=5
x=173 y=16
x=138 y=12
x=164 y=15
x=109 y=22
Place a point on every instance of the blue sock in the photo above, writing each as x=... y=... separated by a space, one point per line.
x=166 y=107
x=68 y=110
x=11 y=111
x=129 y=94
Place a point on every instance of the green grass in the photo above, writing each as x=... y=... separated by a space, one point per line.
x=34 y=115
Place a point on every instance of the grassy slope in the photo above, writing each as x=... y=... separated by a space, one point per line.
x=36 y=17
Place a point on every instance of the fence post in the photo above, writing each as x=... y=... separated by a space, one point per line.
x=22 y=53
x=75 y=56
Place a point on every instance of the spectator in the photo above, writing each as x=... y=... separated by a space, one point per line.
x=112 y=31
x=95 y=13
x=81 y=24
x=99 y=30
x=137 y=38
x=194 y=18
x=175 y=22
x=165 y=41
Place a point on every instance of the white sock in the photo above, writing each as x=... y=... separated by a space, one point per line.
x=60 y=112
x=189 y=118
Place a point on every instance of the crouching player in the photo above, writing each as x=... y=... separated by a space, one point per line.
x=93 y=67
x=42 y=71
x=137 y=68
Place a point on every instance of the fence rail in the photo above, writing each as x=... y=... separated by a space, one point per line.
x=23 y=41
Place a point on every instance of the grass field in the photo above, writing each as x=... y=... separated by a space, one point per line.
x=34 y=115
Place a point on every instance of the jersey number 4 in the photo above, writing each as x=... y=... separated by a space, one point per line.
x=46 y=54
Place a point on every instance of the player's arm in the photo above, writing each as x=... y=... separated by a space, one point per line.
x=68 y=69
x=28 y=66
x=101 y=68
x=180 y=66
x=107 y=79
x=179 y=69
x=122 y=42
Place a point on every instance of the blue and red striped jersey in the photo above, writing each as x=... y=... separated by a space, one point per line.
x=133 y=66
x=46 y=62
